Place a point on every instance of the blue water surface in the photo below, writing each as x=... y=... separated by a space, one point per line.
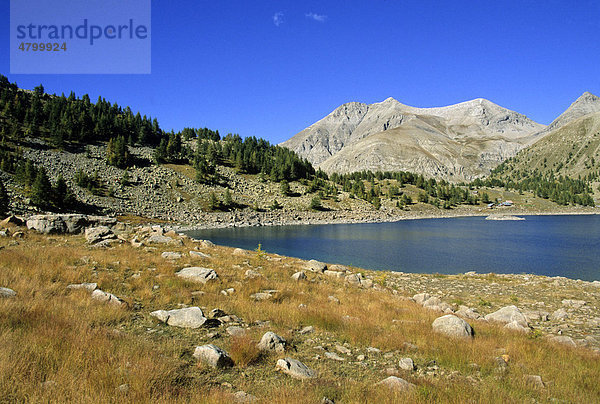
x=544 y=245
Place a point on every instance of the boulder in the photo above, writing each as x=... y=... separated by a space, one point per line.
x=295 y=369
x=7 y=293
x=560 y=314
x=170 y=255
x=397 y=384
x=12 y=220
x=252 y=274
x=316 y=266
x=406 y=364
x=90 y=287
x=198 y=254
x=197 y=274
x=189 y=317
x=421 y=298
x=576 y=304
x=213 y=356
x=452 y=326
x=68 y=223
x=508 y=315
x=299 y=276
x=243 y=397
x=468 y=312
x=516 y=326
x=157 y=238
x=239 y=251
x=94 y=235
x=106 y=297
x=564 y=340
x=534 y=381
x=272 y=342
x=204 y=243
x=334 y=356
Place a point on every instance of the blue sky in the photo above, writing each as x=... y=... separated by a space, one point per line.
x=271 y=68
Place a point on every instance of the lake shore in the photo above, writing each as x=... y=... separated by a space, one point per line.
x=234 y=219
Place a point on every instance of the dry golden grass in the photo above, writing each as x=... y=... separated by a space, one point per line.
x=88 y=349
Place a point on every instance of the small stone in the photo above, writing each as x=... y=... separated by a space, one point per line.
x=306 y=330
x=243 y=397
x=260 y=296
x=334 y=356
x=333 y=299
x=123 y=388
x=406 y=364
x=373 y=350
x=342 y=349
x=534 y=381
x=360 y=358
x=252 y=274
x=7 y=293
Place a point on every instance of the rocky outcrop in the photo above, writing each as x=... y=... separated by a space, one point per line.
x=71 y=223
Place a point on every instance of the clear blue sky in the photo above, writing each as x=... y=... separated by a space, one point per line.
x=271 y=68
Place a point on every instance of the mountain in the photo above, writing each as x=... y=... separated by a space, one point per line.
x=586 y=104
x=572 y=150
x=456 y=142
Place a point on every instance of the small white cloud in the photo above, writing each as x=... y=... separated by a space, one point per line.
x=316 y=17
x=278 y=18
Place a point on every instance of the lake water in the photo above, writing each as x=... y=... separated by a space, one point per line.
x=546 y=245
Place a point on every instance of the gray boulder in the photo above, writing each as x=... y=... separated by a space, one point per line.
x=397 y=384
x=316 y=266
x=299 y=276
x=171 y=255
x=452 y=326
x=7 y=293
x=243 y=397
x=508 y=315
x=272 y=342
x=94 y=235
x=157 y=238
x=406 y=364
x=560 y=314
x=213 y=356
x=421 y=298
x=295 y=369
x=189 y=317
x=198 y=254
x=106 y=297
x=68 y=223
x=90 y=287
x=197 y=274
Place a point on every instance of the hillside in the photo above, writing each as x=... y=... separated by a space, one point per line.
x=121 y=324
x=572 y=150
x=479 y=131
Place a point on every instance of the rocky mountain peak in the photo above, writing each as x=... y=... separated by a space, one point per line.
x=586 y=104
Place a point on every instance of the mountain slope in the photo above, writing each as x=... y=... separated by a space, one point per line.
x=421 y=144
x=586 y=104
x=572 y=150
x=469 y=138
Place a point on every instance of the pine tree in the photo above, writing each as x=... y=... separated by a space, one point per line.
x=41 y=190
x=3 y=199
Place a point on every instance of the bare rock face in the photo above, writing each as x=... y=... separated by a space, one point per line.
x=456 y=142
x=295 y=369
x=213 y=356
x=68 y=223
x=452 y=326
